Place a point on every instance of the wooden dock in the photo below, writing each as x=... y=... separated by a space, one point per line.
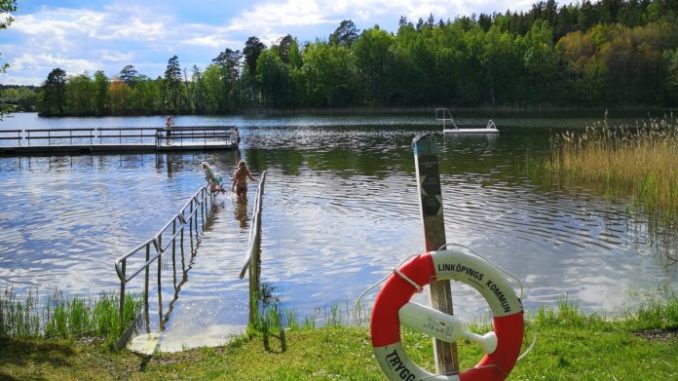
x=116 y=140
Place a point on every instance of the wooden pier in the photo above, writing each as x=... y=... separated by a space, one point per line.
x=117 y=140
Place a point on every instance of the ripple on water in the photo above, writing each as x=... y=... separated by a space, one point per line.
x=341 y=209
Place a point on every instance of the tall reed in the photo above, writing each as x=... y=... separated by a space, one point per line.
x=639 y=161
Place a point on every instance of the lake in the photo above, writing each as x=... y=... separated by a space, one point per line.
x=340 y=211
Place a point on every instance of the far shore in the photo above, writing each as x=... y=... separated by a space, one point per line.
x=489 y=112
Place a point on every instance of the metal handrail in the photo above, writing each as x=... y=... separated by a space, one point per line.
x=93 y=134
x=197 y=203
x=17 y=135
x=255 y=228
x=442 y=114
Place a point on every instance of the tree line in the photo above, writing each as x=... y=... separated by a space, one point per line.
x=611 y=53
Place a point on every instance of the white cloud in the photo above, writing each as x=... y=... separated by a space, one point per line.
x=22 y=81
x=47 y=62
x=106 y=55
x=271 y=20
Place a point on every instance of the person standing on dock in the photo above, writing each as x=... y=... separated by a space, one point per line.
x=169 y=123
x=213 y=180
x=236 y=135
x=240 y=176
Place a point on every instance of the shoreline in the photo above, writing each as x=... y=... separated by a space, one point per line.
x=489 y=112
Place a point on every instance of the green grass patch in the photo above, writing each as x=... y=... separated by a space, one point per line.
x=65 y=319
x=568 y=345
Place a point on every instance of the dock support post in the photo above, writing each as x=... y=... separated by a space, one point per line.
x=428 y=185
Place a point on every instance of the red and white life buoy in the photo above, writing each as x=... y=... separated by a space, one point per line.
x=392 y=308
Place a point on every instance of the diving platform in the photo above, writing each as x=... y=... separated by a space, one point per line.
x=77 y=141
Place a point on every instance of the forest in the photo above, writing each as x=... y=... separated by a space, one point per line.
x=611 y=53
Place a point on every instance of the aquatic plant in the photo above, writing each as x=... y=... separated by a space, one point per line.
x=64 y=318
x=639 y=160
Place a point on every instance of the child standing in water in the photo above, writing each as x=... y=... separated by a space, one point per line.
x=240 y=176
x=213 y=180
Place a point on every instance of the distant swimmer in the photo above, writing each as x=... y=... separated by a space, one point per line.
x=213 y=180
x=240 y=176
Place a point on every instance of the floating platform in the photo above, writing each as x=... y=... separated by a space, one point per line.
x=76 y=141
x=489 y=129
x=450 y=126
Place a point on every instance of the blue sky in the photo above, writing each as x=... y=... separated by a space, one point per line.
x=85 y=36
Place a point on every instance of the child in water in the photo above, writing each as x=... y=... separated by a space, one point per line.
x=213 y=180
x=240 y=176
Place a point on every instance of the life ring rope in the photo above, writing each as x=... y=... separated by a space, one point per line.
x=357 y=307
x=418 y=288
x=469 y=250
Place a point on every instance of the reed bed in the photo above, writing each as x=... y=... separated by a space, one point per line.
x=62 y=318
x=638 y=160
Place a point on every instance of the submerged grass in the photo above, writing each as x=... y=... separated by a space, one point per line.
x=639 y=161
x=66 y=319
x=569 y=345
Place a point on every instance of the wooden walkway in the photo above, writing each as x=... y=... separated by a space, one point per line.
x=116 y=140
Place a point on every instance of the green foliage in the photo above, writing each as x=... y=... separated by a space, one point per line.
x=19 y=98
x=345 y=34
x=67 y=319
x=53 y=94
x=6 y=6
x=228 y=63
x=603 y=54
x=253 y=49
x=172 y=84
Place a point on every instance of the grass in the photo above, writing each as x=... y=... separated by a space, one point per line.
x=66 y=319
x=570 y=345
x=639 y=161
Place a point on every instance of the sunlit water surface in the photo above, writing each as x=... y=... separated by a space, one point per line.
x=340 y=211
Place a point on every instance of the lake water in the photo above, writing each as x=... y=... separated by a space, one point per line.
x=340 y=211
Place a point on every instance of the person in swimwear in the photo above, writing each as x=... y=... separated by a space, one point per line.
x=240 y=176
x=169 y=123
x=213 y=180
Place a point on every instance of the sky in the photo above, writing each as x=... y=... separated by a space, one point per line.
x=81 y=36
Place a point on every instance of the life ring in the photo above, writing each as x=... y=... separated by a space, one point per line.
x=393 y=307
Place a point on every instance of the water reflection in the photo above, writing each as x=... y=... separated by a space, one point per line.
x=340 y=210
x=240 y=212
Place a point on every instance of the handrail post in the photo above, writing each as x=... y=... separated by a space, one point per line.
x=123 y=282
x=183 y=226
x=174 y=239
x=254 y=284
x=190 y=226
x=204 y=211
x=146 y=283
x=160 y=286
x=430 y=201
